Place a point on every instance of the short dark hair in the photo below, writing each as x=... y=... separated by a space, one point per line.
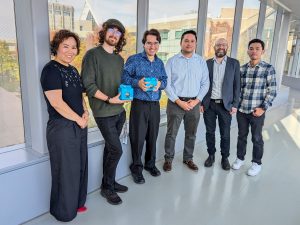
x=188 y=32
x=153 y=32
x=59 y=37
x=256 y=40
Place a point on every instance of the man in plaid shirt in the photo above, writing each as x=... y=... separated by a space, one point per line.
x=258 y=90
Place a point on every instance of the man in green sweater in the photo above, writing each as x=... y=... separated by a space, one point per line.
x=101 y=73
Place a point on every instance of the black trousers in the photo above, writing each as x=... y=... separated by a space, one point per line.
x=217 y=111
x=143 y=125
x=67 y=145
x=244 y=121
x=111 y=128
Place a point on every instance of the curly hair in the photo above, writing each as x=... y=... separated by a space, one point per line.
x=121 y=43
x=59 y=37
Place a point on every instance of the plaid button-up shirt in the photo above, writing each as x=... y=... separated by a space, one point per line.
x=258 y=86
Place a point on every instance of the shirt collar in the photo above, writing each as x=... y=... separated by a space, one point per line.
x=223 y=61
x=260 y=64
x=144 y=55
x=182 y=56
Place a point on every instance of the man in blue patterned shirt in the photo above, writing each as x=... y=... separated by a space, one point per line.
x=145 y=109
x=258 y=90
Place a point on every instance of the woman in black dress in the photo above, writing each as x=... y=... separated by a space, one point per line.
x=66 y=128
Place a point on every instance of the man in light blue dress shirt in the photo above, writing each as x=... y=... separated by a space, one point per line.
x=188 y=83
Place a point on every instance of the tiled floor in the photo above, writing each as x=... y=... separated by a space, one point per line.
x=213 y=196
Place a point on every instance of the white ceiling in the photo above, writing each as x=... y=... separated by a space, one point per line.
x=293 y=5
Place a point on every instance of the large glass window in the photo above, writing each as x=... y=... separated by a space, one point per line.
x=248 y=28
x=268 y=32
x=11 y=118
x=85 y=18
x=291 y=47
x=172 y=22
x=220 y=17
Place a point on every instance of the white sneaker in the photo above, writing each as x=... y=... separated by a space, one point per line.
x=254 y=169
x=237 y=164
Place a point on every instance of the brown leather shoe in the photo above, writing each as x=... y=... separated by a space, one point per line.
x=167 y=166
x=190 y=164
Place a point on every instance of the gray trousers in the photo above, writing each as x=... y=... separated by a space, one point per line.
x=191 y=118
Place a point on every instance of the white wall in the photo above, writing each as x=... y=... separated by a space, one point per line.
x=25 y=192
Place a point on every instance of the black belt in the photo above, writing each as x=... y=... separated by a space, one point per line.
x=186 y=99
x=218 y=101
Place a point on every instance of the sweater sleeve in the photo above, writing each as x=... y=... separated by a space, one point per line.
x=88 y=74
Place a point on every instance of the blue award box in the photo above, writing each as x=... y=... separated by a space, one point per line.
x=126 y=92
x=152 y=82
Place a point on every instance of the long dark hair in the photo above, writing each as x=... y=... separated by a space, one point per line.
x=121 y=42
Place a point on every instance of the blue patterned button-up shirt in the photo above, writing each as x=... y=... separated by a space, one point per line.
x=139 y=66
x=258 y=86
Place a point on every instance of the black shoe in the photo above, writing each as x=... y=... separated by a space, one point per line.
x=209 y=161
x=120 y=188
x=111 y=196
x=138 y=178
x=225 y=164
x=153 y=171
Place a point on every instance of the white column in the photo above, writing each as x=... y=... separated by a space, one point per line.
x=201 y=25
x=142 y=22
x=282 y=47
x=32 y=27
x=236 y=27
x=261 y=19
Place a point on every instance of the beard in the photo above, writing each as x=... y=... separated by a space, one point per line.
x=111 y=40
x=220 y=53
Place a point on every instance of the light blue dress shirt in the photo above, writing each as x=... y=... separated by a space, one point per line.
x=218 y=78
x=187 y=77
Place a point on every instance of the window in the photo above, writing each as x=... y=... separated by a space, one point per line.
x=85 y=18
x=289 y=66
x=11 y=120
x=248 y=28
x=220 y=16
x=164 y=35
x=268 y=32
x=180 y=16
x=172 y=22
x=178 y=34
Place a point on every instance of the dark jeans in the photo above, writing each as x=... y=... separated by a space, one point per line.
x=191 y=118
x=111 y=128
x=143 y=125
x=214 y=111
x=67 y=145
x=256 y=123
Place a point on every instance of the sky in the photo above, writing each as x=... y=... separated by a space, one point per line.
x=124 y=10
x=7 y=20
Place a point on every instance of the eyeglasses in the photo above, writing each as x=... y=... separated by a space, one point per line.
x=114 y=31
x=221 y=45
x=152 y=43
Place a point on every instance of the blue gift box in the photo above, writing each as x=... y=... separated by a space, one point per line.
x=126 y=92
x=151 y=83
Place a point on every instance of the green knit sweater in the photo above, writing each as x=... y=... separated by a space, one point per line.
x=102 y=71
